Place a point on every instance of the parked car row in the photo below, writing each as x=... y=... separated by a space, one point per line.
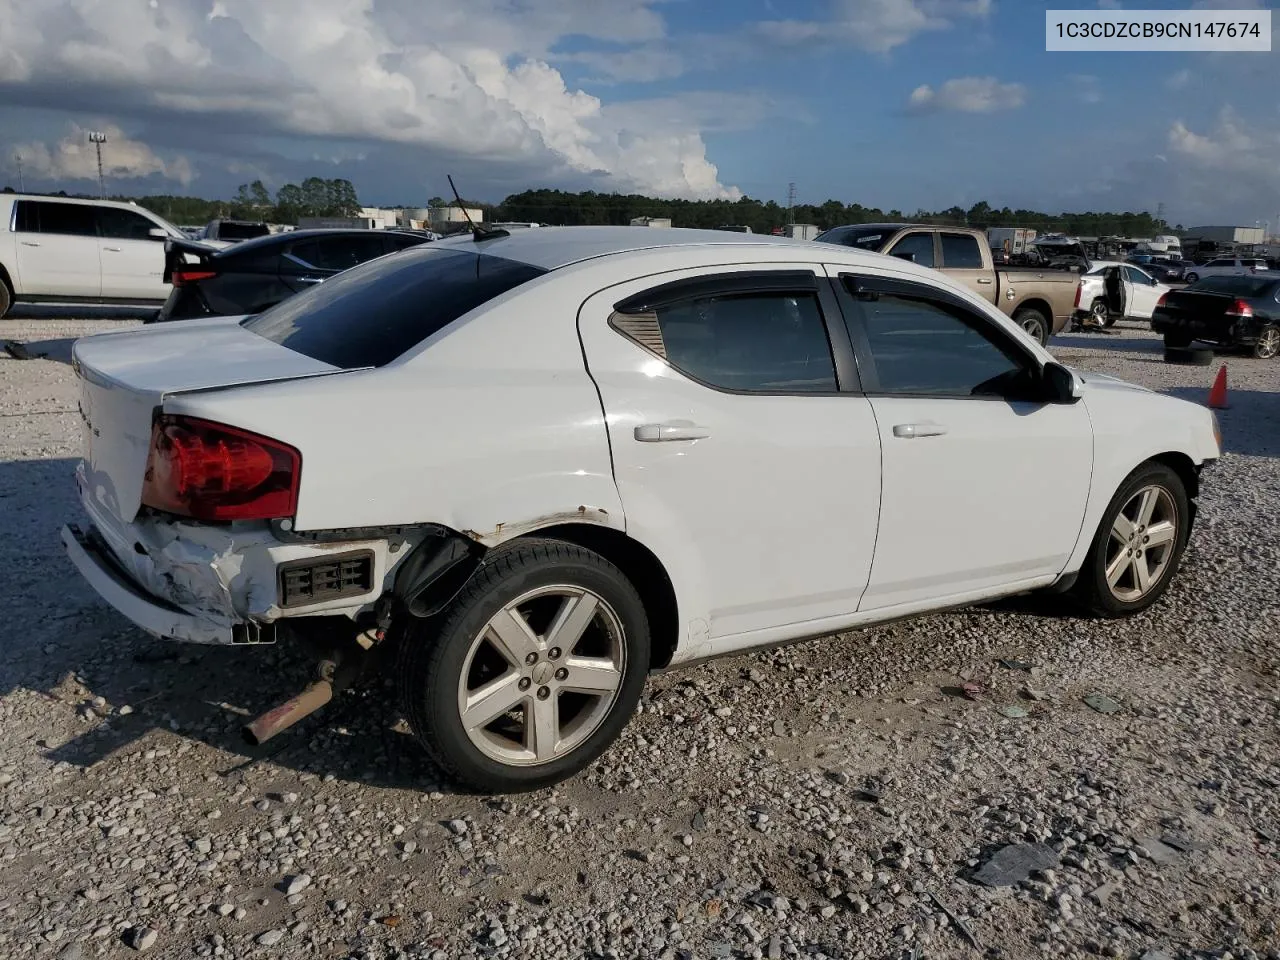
x=1230 y=311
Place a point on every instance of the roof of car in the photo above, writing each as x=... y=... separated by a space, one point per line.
x=553 y=247
x=253 y=243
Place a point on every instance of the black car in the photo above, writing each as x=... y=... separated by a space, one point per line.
x=1225 y=311
x=256 y=274
x=1162 y=270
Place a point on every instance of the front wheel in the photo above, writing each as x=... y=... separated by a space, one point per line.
x=1034 y=322
x=6 y=298
x=1268 y=343
x=1138 y=545
x=1192 y=277
x=532 y=671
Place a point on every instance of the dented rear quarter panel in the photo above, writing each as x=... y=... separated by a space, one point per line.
x=492 y=427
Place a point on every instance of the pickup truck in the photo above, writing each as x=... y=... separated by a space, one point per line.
x=1040 y=301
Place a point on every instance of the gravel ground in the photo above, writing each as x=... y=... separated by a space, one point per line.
x=832 y=799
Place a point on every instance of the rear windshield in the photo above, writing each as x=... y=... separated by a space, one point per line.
x=860 y=238
x=242 y=231
x=1237 y=286
x=371 y=314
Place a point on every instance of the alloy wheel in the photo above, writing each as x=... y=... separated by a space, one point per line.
x=1141 y=545
x=542 y=675
x=1268 y=344
x=1100 y=312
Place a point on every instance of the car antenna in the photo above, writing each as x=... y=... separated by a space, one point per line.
x=477 y=233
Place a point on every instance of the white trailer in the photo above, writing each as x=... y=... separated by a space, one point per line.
x=1014 y=241
x=802 y=231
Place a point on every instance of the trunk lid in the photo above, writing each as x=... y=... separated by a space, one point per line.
x=125 y=377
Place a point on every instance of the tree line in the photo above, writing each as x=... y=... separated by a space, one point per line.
x=317 y=197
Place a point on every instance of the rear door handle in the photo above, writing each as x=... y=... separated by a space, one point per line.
x=112 y=249
x=30 y=243
x=986 y=280
x=914 y=431
x=311 y=279
x=673 y=430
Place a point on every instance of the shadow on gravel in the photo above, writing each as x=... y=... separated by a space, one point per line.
x=59 y=351
x=1107 y=341
x=1250 y=424
x=45 y=311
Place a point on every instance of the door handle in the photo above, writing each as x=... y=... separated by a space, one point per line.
x=310 y=279
x=986 y=280
x=112 y=249
x=914 y=431
x=673 y=430
x=30 y=243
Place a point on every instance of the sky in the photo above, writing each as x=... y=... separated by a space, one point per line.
x=907 y=104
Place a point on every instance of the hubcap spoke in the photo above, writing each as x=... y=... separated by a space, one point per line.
x=1141 y=573
x=595 y=675
x=1147 y=507
x=1160 y=533
x=572 y=620
x=492 y=700
x=1117 y=568
x=509 y=632
x=542 y=727
x=1123 y=528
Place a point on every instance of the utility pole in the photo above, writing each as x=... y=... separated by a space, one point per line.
x=98 y=138
x=1160 y=212
x=791 y=204
x=22 y=187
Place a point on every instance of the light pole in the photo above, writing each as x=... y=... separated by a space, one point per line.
x=98 y=138
x=22 y=187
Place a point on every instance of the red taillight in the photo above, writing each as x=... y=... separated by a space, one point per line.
x=210 y=471
x=1240 y=309
x=1163 y=297
x=183 y=276
x=1078 y=287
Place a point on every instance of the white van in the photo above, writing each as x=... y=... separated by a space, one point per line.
x=61 y=250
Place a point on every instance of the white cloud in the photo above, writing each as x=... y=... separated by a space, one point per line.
x=877 y=26
x=1087 y=87
x=468 y=79
x=1230 y=166
x=75 y=158
x=1178 y=80
x=968 y=95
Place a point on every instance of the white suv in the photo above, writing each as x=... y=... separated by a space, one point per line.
x=60 y=250
x=1227 y=267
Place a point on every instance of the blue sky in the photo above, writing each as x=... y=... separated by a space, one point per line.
x=895 y=103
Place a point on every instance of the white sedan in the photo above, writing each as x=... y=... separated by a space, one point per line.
x=1113 y=291
x=532 y=467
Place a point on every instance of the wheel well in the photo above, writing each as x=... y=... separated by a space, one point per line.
x=1186 y=470
x=643 y=569
x=1040 y=306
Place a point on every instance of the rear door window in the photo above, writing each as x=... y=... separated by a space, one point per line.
x=370 y=315
x=960 y=251
x=66 y=219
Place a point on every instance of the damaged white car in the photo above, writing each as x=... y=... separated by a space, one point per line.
x=529 y=468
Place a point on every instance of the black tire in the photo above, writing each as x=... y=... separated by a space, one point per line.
x=1099 y=313
x=1267 y=345
x=432 y=655
x=1176 y=341
x=1192 y=277
x=1034 y=322
x=6 y=298
x=1189 y=356
x=1091 y=589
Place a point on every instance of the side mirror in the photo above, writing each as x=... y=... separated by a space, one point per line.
x=155 y=233
x=1059 y=383
x=910 y=257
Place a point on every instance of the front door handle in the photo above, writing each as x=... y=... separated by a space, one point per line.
x=112 y=249
x=986 y=280
x=672 y=430
x=914 y=431
x=30 y=243
x=311 y=279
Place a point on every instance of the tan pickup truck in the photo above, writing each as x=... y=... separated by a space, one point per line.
x=1041 y=301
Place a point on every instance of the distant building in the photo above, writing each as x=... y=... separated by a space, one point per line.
x=1229 y=234
x=446 y=219
x=651 y=221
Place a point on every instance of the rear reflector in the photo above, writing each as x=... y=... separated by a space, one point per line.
x=1078 y=290
x=183 y=276
x=210 y=471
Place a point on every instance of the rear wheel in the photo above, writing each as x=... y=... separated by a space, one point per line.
x=1034 y=322
x=1138 y=545
x=532 y=671
x=1192 y=277
x=1268 y=344
x=6 y=298
x=1099 y=314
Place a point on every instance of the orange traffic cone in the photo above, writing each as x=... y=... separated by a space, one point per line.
x=1218 y=394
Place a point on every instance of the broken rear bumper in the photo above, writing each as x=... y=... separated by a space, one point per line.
x=157 y=617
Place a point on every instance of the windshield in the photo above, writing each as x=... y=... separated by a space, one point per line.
x=241 y=231
x=370 y=314
x=871 y=239
x=1236 y=286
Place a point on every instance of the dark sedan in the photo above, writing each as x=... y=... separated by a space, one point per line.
x=1228 y=312
x=256 y=274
